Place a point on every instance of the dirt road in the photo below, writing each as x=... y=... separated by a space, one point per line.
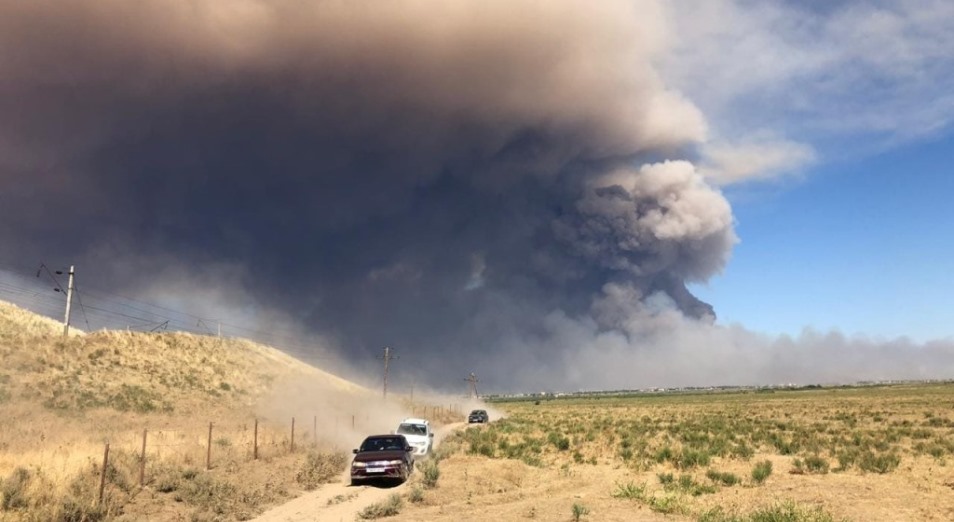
x=339 y=501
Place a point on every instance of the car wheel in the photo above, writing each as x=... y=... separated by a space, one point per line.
x=355 y=482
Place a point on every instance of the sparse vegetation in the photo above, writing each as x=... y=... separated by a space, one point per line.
x=416 y=495
x=782 y=512
x=579 y=511
x=630 y=491
x=386 y=508
x=430 y=473
x=320 y=468
x=761 y=471
x=671 y=453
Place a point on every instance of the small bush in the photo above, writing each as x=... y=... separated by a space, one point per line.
x=431 y=474
x=783 y=512
x=416 y=495
x=320 y=468
x=630 y=491
x=579 y=511
x=724 y=478
x=13 y=492
x=559 y=441
x=812 y=464
x=690 y=458
x=664 y=454
x=879 y=463
x=386 y=508
x=761 y=471
x=667 y=504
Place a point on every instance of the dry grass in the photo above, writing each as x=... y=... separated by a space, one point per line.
x=878 y=453
x=62 y=398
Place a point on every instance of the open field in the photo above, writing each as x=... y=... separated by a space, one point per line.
x=865 y=453
x=862 y=454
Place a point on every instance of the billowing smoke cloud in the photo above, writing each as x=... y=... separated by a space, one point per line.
x=452 y=179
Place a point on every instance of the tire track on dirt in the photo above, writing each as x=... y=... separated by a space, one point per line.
x=340 y=501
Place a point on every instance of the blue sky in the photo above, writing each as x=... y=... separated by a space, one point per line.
x=831 y=135
x=864 y=246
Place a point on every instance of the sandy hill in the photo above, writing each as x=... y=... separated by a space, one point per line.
x=139 y=372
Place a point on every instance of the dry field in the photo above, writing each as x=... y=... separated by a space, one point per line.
x=62 y=400
x=861 y=454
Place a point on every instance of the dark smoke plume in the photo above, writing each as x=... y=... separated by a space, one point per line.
x=449 y=178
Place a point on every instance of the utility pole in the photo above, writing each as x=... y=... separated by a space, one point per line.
x=69 y=301
x=387 y=362
x=473 y=380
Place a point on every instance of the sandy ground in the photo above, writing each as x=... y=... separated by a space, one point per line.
x=340 y=501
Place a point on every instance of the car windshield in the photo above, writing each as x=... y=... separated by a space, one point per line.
x=478 y=412
x=412 y=429
x=383 y=444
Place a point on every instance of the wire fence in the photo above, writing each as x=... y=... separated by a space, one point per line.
x=222 y=444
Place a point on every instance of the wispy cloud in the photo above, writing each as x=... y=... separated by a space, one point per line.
x=841 y=77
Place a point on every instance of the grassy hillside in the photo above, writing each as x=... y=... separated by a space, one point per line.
x=134 y=371
x=62 y=399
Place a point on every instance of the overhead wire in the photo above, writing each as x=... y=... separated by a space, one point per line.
x=107 y=310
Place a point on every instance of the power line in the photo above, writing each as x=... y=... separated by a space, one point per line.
x=105 y=310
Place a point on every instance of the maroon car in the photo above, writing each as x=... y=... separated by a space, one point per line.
x=382 y=457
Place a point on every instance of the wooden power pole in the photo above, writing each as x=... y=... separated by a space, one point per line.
x=69 y=302
x=388 y=355
x=473 y=380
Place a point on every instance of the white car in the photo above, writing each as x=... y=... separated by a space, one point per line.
x=418 y=433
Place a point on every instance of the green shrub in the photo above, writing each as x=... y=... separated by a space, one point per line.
x=664 y=454
x=579 y=511
x=812 y=464
x=667 y=504
x=724 y=478
x=416 y=495
x=559 y=441
x=687 y=484
x=783 y=512
x=630 y=491
x=689 y=458
x=879 y=463
x=761 y=471
x=386 y=508
x=320 y=468
x=431 y=474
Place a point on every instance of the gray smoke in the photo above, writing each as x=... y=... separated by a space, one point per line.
x=452 y=179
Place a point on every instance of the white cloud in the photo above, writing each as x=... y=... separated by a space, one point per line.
x=845 y=77
x=726 y=163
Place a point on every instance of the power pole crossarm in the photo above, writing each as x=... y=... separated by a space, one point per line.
x=473 y=380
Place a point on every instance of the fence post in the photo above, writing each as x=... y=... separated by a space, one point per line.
x=352 y=422
x=208 y=454
x=314 y=431
x=102 y=474
x=293 y=436
x=255 y=442
x=142 y=461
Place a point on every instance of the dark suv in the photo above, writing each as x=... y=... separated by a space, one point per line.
x=382 y=457
x=478 y=416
